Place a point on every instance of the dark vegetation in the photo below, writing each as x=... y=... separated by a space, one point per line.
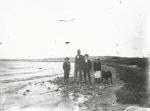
x=140 y=62
x=135 y=90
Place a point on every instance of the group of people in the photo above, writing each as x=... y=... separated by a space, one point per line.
x=83 y=66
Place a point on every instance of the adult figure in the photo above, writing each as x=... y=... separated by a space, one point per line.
x=87 y=68
x=79 y=62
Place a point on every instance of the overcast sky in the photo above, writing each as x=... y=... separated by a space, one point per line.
x=40 y=28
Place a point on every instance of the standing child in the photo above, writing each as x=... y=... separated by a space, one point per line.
x=87 y=68
x=97 y=71
x=66 y=68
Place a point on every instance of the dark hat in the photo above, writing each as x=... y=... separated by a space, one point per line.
x=67 y=58
x=78 y=50
x=86 y=55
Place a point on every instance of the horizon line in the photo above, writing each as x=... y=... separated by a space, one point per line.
x=69 y=57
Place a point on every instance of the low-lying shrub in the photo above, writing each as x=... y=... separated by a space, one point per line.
x=135 y=89
x=140 y=62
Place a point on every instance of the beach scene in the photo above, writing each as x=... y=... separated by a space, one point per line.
x=27 y=86
x=74 y=55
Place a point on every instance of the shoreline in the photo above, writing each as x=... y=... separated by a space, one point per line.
x=97 y=97
x=50 y=93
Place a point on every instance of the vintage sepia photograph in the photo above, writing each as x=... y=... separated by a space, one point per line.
x=74 y=55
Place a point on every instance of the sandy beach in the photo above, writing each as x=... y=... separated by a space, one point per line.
x=38 y=86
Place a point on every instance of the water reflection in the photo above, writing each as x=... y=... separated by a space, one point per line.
x=65 y=93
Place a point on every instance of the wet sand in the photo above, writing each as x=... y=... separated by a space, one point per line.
x=28 y=86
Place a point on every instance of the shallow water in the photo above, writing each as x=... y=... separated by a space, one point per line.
x=26 y=86
x=22 y=87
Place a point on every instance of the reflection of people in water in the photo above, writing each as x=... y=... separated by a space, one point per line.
x=79 y=62
x=65 y=94
x=66 y=67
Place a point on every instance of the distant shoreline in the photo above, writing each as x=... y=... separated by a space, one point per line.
x=31 y=60
x=102 y=58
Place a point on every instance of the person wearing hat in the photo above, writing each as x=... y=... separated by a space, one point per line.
x=97 y=70
x=87 y=68
x=79 y=62
x=66 y=68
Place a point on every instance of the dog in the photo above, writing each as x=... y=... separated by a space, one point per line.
x=106 y=77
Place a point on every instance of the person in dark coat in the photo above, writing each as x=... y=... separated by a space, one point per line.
x=87 y=68
x=66 y=68
x=79 y=62
x=97 y=70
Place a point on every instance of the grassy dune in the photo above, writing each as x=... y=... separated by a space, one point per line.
x=135 y=90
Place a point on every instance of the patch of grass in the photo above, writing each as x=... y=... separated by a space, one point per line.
x=135 y=88
x=140 y=62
